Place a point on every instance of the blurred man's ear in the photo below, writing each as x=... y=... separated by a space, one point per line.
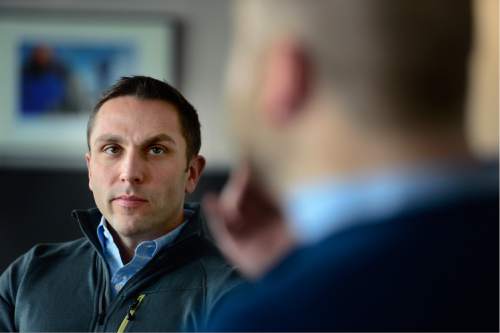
x=285 y=87
x=194 y=170
x=87 y=160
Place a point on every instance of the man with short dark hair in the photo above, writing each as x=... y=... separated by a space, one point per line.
x=350 y=115
x=146 y=262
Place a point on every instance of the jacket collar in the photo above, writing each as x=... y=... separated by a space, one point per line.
x=88 y=220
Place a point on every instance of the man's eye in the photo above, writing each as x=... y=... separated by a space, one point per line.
x=156 y=150
x=111 y=150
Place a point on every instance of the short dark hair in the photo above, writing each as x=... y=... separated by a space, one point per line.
x=144 y=87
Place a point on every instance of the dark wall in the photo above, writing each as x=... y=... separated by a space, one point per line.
x=37 y=203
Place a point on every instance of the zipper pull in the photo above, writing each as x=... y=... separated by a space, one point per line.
x=101 y=314
x=131 y=313
x=132 y=309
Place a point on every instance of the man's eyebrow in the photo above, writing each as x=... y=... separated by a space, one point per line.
x=159 y=138
x=113 y=138
x=109 y=138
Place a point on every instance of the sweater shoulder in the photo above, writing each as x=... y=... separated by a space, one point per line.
x=48 y=250
x=44 y=253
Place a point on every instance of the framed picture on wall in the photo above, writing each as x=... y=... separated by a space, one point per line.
x=55 y=66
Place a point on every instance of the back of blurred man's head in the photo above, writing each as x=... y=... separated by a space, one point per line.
x=362 y=72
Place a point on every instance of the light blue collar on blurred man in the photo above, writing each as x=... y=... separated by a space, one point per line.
x=144 y=252
x=318 y=210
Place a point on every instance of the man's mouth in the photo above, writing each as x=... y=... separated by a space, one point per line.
x=129 y=201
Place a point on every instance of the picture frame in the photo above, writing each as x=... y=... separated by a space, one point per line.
x=54 y=66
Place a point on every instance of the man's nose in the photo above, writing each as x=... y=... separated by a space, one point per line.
x=132 y=168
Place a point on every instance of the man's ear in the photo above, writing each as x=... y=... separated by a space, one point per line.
x=87 y=160
x=286 y=82
x=195 y=168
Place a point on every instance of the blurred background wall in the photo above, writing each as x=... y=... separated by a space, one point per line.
x=37 y=196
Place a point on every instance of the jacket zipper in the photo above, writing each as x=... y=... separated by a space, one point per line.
x=101 y=306
x=131 y=313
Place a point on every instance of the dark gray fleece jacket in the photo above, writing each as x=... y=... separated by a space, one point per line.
x=66 y=287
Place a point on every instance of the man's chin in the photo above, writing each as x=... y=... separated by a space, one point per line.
x=133 y=234
x=129 y=226
x=130 y=210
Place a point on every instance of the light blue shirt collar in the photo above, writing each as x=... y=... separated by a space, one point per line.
x=317 y=210
x=144 y=252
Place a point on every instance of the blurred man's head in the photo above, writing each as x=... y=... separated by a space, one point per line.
x=339 y=85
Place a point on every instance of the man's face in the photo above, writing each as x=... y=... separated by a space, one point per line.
x=137 y=166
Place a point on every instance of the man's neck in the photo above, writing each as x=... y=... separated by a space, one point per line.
x=368 y=152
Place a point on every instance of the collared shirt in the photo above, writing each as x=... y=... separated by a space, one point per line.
x=144 y=252
x=321 y=209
